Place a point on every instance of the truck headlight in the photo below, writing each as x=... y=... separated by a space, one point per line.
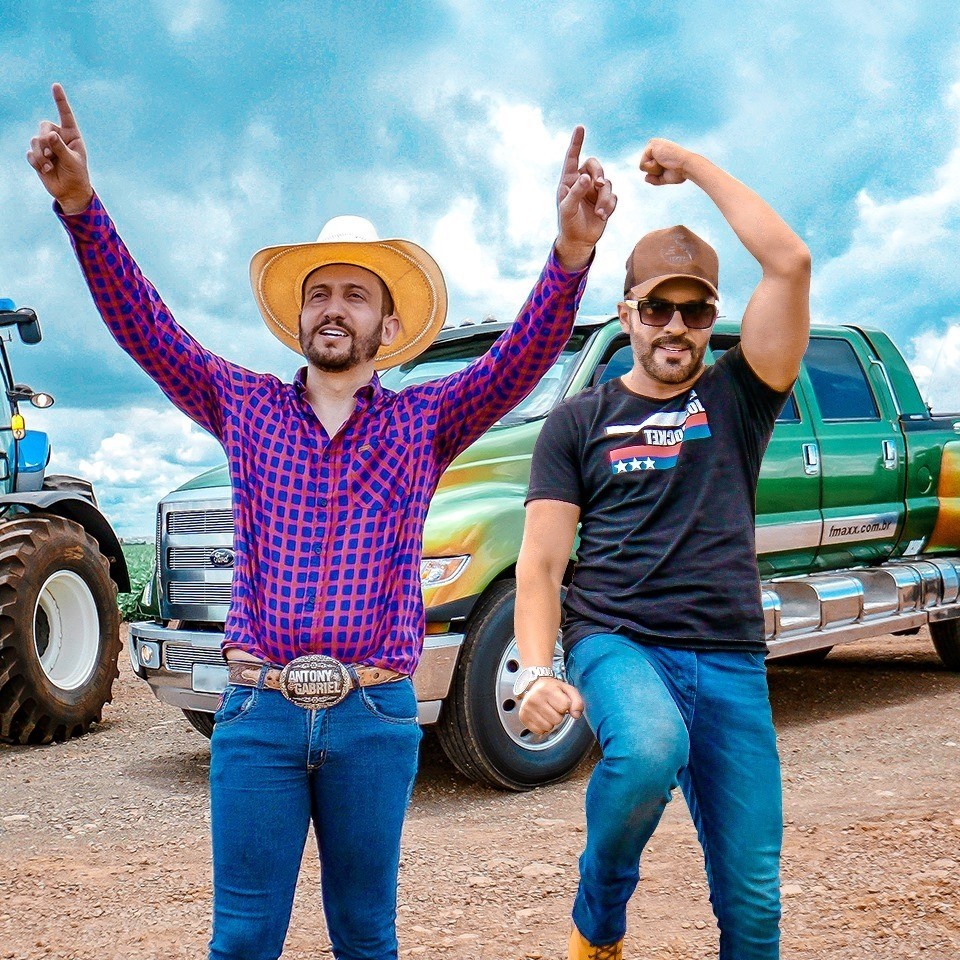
x=435 y=571
x=146 y=598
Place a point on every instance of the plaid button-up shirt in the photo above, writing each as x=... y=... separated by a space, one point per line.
x=328 y=531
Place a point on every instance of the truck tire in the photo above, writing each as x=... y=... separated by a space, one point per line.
x=200 y=721
x=479 y=727
x=59 y=630
x=65 y=484
x=946 y=641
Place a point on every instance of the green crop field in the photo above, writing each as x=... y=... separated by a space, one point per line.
x=139 y=558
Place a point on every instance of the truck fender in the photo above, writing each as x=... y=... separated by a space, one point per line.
x=81 y=511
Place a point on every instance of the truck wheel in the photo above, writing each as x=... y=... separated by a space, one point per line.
x=200 y=721
x=946 y=640
x=65 y=484
x=479 y=727
x=59 y=630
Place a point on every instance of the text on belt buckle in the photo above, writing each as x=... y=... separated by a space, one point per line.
x=315 y=682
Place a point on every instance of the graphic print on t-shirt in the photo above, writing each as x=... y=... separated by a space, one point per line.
x=662 y=436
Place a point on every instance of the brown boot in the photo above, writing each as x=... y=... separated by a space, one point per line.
x=581 y=949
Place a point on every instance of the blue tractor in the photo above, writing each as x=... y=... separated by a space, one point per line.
x=61 y=566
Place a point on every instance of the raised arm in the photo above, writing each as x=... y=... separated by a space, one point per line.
x=776 y=323
x=197 y=381
x=471 y=401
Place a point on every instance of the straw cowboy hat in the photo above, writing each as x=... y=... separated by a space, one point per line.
x=410 y=273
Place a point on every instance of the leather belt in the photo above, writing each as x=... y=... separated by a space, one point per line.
x=312 y=682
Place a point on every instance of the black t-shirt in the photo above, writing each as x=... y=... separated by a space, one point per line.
x=667 y=497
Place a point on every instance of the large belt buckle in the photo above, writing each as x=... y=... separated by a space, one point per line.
x=315 y=682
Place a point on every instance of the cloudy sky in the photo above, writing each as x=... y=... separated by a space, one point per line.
x=215 y=128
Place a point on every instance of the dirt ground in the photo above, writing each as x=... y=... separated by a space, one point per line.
x=104 y=849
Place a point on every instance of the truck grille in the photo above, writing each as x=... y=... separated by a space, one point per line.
x=182 y=656
x=191 y=558
x=192 y=592
x=200 y=521
x=192 y=532
x=156 y=542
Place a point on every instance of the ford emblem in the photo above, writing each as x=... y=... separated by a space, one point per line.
x=222 y=557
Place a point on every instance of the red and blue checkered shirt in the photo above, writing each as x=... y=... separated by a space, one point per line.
x=328 y=532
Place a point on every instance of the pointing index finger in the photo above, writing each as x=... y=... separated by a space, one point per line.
x=571 y=163
x=67 y=119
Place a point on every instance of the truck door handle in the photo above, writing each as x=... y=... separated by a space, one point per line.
x=891 y=459
x=811 y=459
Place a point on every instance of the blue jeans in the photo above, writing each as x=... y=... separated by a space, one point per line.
x=274 y=767
x=702 y=721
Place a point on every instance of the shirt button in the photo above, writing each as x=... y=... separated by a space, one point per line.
x=317 y=547
x=322 y=501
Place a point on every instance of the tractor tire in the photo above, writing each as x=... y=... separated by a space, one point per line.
x=946 y=641
x=61 y=482
x=200 y=721
x=59 y=630
x=479 y=726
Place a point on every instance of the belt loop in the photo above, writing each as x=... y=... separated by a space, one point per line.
x=354 y=676
x=265 y=668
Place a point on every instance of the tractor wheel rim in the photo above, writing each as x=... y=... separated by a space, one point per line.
x=508 y=708
x=68 y=648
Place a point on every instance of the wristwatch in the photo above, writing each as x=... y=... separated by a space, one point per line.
x=527 y=677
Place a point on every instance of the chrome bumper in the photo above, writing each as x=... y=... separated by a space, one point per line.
x=185 y=668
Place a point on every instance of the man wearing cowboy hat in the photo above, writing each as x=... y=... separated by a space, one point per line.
x=331 y=475
x=663 y=630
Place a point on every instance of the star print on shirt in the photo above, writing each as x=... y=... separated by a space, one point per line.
x=662 y=436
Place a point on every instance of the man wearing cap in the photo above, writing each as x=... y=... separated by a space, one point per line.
x=663 y=627
x=332 y=475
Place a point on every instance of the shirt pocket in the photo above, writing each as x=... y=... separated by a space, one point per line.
x=380 y=474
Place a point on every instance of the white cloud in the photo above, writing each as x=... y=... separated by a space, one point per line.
x=901 y=263
x=138 y=455
x=185 y=18
x=934 y=357
x=469 y=265
x=495 y=232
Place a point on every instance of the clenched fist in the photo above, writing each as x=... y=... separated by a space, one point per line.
x=665 y=162
x=547 y=702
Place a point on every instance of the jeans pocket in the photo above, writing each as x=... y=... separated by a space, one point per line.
x=394 y=702
x=236 y=703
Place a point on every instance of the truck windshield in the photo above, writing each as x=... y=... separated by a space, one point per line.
x=452 y=355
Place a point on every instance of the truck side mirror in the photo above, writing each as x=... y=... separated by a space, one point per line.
x=29 y=326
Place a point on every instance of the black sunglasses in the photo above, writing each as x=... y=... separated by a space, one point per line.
x=696 y=314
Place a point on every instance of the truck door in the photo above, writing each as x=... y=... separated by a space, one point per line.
x=861 y=451
x=789 y=523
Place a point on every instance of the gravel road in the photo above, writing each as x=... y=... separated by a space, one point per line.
x=104 y=849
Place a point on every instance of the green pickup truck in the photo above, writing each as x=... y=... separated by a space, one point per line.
x=858 y=535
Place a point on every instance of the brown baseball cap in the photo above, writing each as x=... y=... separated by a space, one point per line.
x=665 y=254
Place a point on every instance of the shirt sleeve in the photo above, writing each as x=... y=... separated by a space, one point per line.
x=759 y=404
x=469 y=402
x=201 y=384
x=556 y=471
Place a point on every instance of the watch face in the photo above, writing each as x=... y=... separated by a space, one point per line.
x=527 y=676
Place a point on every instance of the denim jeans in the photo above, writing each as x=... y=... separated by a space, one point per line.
x=666 y=717
x=274 y=767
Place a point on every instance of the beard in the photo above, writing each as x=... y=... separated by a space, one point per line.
x=328 y=358
x=670 y=371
